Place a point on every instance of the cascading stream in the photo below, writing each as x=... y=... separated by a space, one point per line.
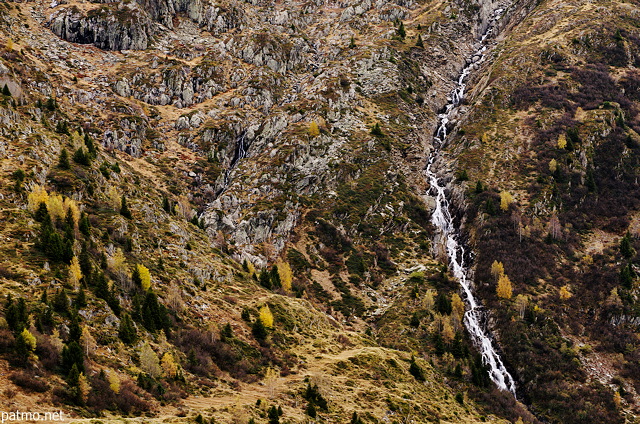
x=443 y=220
x=240 y=153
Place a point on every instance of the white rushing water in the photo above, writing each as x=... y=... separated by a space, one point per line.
x=443 y=220
x=239 y=154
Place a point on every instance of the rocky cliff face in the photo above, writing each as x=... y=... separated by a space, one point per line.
x=108 y=27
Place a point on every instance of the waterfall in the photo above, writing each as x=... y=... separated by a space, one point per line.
x=239 y=154
x=443 y=220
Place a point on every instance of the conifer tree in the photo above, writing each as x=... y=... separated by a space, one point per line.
x=266 y=317
x=504 y=289
x=127 y=331
x=285 y=275
x=16 y=314
x=25 y=345
x=61 y=302
x=376 y=130
x=314 y=131
x=84 y=225
x=626 y=248
x=124 y=209
x=72 y=355
x=149 y=361
x=402 y=33
x=63 y=160
x=80 y=157
x=91 y=147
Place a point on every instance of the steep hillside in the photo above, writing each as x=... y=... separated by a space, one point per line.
x=550 y=148
x=217 y=211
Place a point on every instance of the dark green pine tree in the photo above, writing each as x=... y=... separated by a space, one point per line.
x=135 y=277
x=376 y=130
x=81 y=299
x=6 y=91
x=416 y=371
x=590 y=181
x=85 y=265
x=16 y=314
x=124 y=209
x=275 y=277
x=626 y=248
x=91 y=147
x=72 y=355
x=63 y=160
x=419 y=43
x=274 y=417
x=80 y=157
x=259 y=331
x=166 y=204
x=42 y=213
x=402 y=33
x=154 y=315
x=227 y=333
x=265 y=280
x=61 y=302
x=73 y=381
x=627 y=276
x=75 y=331
x=127 y=331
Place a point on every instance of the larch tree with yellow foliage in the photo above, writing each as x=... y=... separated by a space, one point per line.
x=314 y=131
x=84 y=387
x=142 y=277
x=497 y=269
x=266 y=317
x=564 y=293
x=114 y=381
x=37 y=195
x=55 y=206
x=562 y=141
x=75 y=273
x=169 y=365
x=457 y=306
x=505 y=288
x=506 y=199
x=149 y=361
x=118 y=265
x=286 y=276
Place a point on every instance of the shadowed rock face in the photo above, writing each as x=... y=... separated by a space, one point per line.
x=131 y=26
x=106 y=27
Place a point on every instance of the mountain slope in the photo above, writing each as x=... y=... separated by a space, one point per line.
x=242 y=214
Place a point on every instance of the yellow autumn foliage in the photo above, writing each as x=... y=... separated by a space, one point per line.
x=55 y=206
x=145 y=277
x=457 y=306
x=564 y=293
x=497 y=269
x=505 y=288
x=314 y=131
x=505 y=200
x=562 y=141
x=286 y=276
x=169 y=365
x=114 y=382
x=266 y=316
x=37 y=195
x=75 y=273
